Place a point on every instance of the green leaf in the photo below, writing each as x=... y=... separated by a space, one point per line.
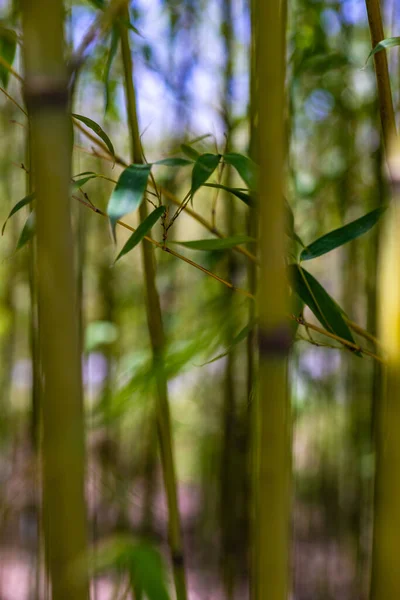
x=97 y=130
x=244 y=196
x=27 y=232
x=319 y=301
x=142 y=230
x=343 y=235
x=100 y=333
x=246 y=168
x=8 y=46
x=128 y=193
x=203 y=168
x=24 y=202
x=174 y=162
x=216 y=243
x=190 y=152
x=114 y=41
x=77 y=183
x=296 y=309
x=242 y=335
x=386 y=43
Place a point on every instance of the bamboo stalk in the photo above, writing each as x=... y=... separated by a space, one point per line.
x=273 y=450
x=386 y=110
x=62 y=434
x=156 y=332
x=385 y=580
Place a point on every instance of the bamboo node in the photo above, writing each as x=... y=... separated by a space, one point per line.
x=274 y=342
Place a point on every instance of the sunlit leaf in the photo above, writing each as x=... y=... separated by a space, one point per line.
x=77 y=183
x=386 y=43
x=24 y=202
x=246 y=168
x=97 y=130
x=142 y=230
x=343 y=235
x=100 y=333
x=8 y=46
x=203 y=168
x=319 y=301
x=128 y=193
x=28 y=231
x=216 y=243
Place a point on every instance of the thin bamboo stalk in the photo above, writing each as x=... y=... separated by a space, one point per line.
x=273 y=450
x=62 y=433
x=156 y=333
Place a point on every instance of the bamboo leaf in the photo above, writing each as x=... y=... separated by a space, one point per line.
x=97 y=130
x=77 y=183
x=319 y=301
x=174 y=162
x=190 y=152
x=114 y=41
x=246 y=168
x=24 y=202
x=343 y=235
x=216 y=243
x=28 y=231
x=240 y=337
x=141 y=231
x=128 y=193
x=243 y=196
x=8 y=46
x=386 y=43
x=203 y=168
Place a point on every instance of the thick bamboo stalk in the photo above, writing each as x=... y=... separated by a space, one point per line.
x=156 y=333
x=272 y=486
x=385 y=581
x=62 y=432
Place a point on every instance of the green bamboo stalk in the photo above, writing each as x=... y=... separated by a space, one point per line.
x=156 y=332
x=385 y=578
x=62 y=434
x=272 y=485
x=386 y=110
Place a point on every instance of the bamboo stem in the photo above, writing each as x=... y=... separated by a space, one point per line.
x=62 y=434
x=156 y=332
x=386 y=110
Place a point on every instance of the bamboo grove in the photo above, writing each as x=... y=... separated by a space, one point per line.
x=218 y=267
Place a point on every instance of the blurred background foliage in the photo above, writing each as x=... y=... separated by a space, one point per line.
x=192 y=75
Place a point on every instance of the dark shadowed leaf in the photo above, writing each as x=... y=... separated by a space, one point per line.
x=28 y=231
x=174 y=162
x=128 y=193
x=114 y=41
x=203 y=168
x=319 y=301
x=190 y=152
x=386 y=43
x=242 y=195
x=296 y=310
x=246 y=168
x=97 y=130
x=24 y=202
x=141 y=231
x=216 y=243
x=341 y=236
x=8 y=46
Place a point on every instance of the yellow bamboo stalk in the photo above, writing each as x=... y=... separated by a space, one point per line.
x=62 y=432
x=156 y=333
x=272 y=486
x=385 y=581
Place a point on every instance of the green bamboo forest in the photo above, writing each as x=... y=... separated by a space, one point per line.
x=199 y=300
